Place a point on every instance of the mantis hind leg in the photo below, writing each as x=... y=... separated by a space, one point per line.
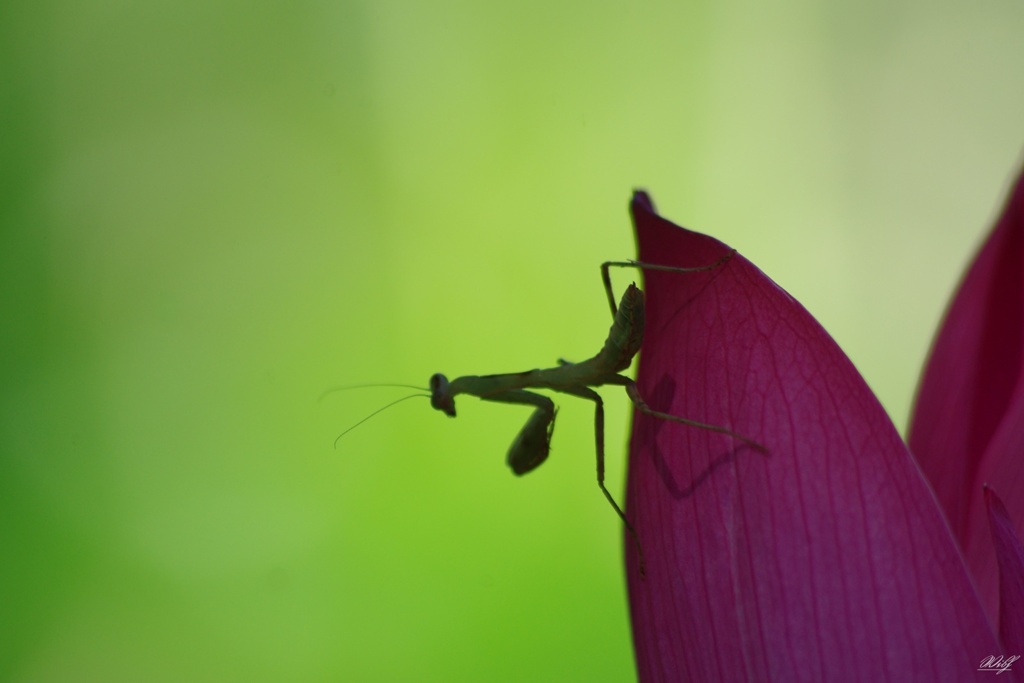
x=606 y=275
x=590 y=394
x=641 y=405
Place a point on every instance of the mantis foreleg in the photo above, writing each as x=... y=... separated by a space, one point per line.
x=531 y=446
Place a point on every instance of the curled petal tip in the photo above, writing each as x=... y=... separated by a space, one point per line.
x=641 y=200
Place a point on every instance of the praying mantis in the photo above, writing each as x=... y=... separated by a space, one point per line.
x=531 y=446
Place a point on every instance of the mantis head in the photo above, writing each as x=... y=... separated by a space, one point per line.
x=440 y=395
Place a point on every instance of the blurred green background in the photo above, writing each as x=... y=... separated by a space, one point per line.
x=214 y=211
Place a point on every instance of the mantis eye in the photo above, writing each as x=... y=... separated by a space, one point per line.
x=440 y=396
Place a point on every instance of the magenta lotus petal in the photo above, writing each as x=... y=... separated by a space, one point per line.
x=967 y=427
x=825 y=558
x=1010 y=557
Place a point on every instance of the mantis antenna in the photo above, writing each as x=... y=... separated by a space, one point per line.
x=370 y=386
x=367 y=386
